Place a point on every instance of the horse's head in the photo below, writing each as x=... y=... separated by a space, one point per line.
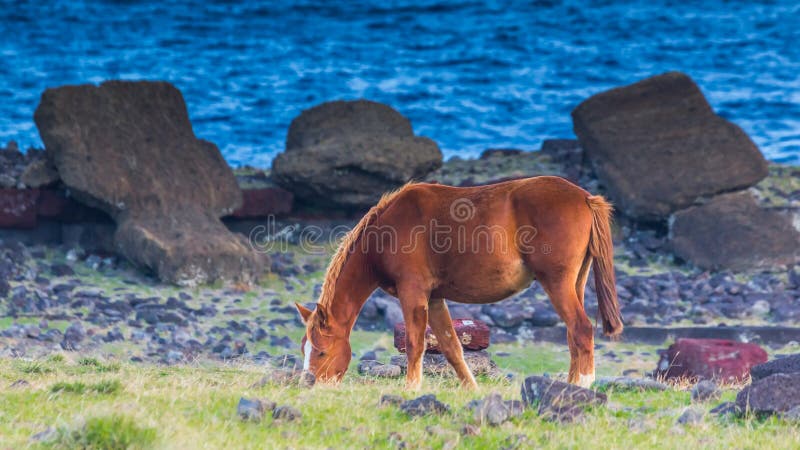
x=326 y=346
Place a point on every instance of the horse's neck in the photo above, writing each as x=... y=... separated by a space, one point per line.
x=353 y=287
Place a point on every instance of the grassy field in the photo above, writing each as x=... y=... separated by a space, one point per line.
x=96 y=403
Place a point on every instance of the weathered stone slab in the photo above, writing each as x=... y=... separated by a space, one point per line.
x=657 y=146
x=128 y=148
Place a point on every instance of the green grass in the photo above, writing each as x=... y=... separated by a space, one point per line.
x=113 y=432
x=78 y=387
x=194 y=406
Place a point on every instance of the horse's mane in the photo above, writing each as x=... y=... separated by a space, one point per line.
x=345 y=247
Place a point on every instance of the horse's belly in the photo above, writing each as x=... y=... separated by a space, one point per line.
x=487 y=284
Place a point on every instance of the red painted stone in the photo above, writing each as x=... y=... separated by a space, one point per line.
x=473 y=335
x=263 y=202
x=710 y=359
x=18 y=208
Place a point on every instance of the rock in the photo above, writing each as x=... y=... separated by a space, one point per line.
x=470 y=430
x=389 y=399
x=705 y=391
x=19 y=384
x=787 y=364
x=45 y=436
x=657 y=146
x=732 y=231
x=628 y=383
x=691 y=416
x=18 y=208
x=287 y=413
x=793 y=414
x=376 y=369
x=557 y=400
x=348 y=153
x=280 y=376
x=472 y=333
x=423 y=406
x=774 y=394
x=492 y=410
x=723 y=409
x=508 y=316
x=436 y=364
x=499 y=153
x=264 y=202
x=709 y=359
x=544 y=318
x=253 y=409
x=128 y=148
x=568 y=153
x=515 y=408
x=307 y=379
x=73 y=336
x=39 y=173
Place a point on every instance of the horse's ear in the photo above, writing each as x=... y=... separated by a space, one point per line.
x=305 y=313
x=322 y=316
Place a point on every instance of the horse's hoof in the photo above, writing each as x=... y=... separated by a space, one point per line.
x=413 y=385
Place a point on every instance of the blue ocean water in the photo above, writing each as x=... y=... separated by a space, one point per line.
x=470 y=75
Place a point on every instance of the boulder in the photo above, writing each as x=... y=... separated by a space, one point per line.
x=557 y=400
x=774 y=394
x=492 y=410
x=128 y=148
x=705 y=391
x=787 y=364
x=734 y=232
x=379 y=370
x=348 y=153
x=472 y=333
x=423 y=406
x=657 y=146
x=709 y=359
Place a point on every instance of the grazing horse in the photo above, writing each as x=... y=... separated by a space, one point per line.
x=427 y=242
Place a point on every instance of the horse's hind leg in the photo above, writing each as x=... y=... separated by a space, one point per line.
x=442 y=326
x=580 y=333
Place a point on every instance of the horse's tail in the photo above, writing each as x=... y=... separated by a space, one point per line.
x=602 y=250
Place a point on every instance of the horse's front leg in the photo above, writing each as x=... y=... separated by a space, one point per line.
x=442 y=326
x=414 y=303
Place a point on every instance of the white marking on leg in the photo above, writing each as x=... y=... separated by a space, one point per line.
x=586 y=380
x=307 y=357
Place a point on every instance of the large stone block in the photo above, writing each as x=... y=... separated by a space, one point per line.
x=347 y=154
x=128 y=148
x=733 y=231
x=657 y=146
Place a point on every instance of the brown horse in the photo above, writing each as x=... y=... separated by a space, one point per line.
x=427 y=242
